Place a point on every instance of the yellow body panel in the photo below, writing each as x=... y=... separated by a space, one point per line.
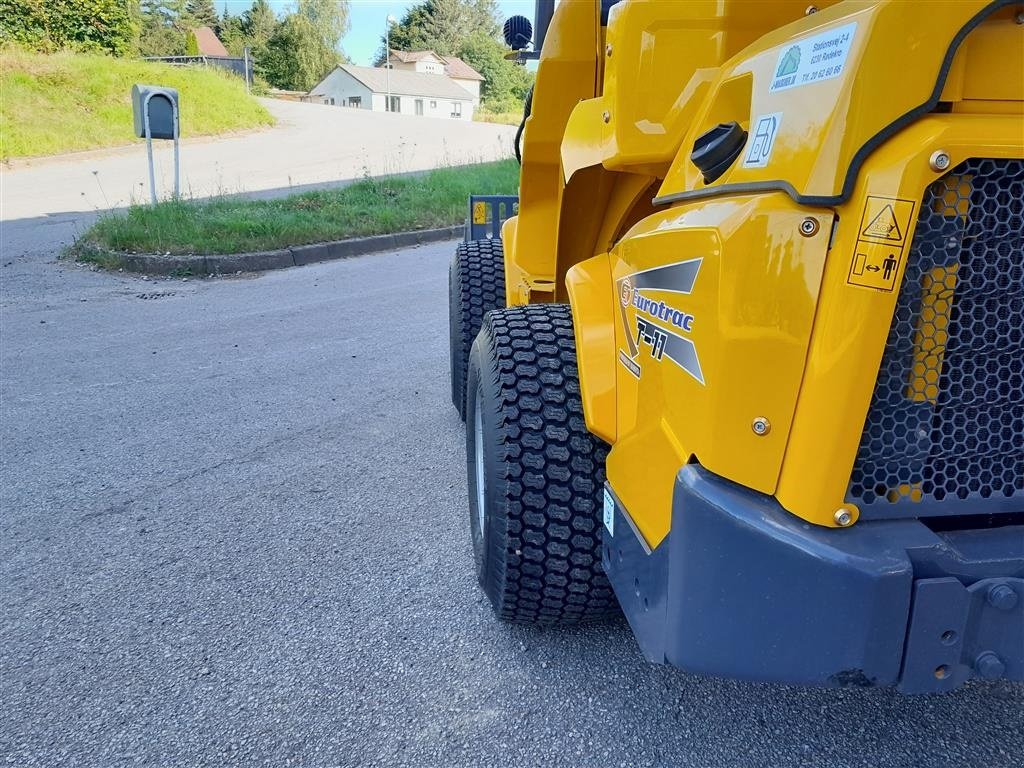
x=973 y=84
x=788 y=326
x=567 y=75
x=660 y=60
x=668 y=54
x=823 y=125
x=592 y=296
x=853 y=321
x=752 y=306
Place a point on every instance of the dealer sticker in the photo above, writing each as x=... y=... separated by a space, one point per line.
x=813 y=59
x=609 y=512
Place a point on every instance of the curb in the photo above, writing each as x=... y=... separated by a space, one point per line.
x=295 y=256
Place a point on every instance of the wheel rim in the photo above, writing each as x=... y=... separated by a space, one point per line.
x=478 y=449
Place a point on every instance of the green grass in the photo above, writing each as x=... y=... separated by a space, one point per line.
x=62 y=102
x=236 y=225
x=506 y=118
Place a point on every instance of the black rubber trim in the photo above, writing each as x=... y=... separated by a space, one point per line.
x=517 y=143
x=778 y=185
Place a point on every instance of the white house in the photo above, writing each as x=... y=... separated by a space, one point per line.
x=432 y=63
x=412 y=92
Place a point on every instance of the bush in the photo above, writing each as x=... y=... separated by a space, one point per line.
x=98 y=26
x=191 y=44
x=505 y=82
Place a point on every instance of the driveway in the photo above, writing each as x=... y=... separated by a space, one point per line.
x=234 y=534
x=47 y=202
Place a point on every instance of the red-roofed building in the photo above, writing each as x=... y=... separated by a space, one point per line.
x=405 y=91
x=208 y=42
x=430 y=63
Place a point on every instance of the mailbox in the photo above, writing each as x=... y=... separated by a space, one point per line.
x=156 y=108
x=162 y=104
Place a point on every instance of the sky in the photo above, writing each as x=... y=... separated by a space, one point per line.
x=368 y=20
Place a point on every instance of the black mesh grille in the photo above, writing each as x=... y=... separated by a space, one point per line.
x=945 y=430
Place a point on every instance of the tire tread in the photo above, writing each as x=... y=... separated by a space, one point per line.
x=476 y=285
x=553 y=470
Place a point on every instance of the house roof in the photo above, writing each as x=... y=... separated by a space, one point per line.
x=208 y=42
x=453 y=65
x=407 y=56
x=406 y=83
x=457 y=68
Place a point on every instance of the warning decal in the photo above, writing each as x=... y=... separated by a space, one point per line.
x=480 y=212
x=884 y=226
x=878 y=254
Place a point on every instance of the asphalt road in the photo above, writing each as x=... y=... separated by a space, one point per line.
x=234 y=534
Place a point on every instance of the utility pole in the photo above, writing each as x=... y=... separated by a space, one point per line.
x=387 y=57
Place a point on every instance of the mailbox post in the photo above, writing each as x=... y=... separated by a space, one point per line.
x=155 y=112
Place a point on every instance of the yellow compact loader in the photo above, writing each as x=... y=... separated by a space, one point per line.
x=748 y=364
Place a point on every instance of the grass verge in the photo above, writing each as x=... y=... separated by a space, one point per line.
x=237 y=225
x=505 y=118
x=64 y=102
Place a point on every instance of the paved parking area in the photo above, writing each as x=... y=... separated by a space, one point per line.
x=234 y=534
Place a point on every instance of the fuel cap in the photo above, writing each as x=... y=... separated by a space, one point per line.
x=715 y=150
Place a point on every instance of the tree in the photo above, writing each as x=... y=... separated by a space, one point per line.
x=485 y=17
x=282 y=63
x=229 y=30
x=191 y=44
x=442 y=26
x=505 y=83
x=409 y=34
x=108 y=26
x=201 y=13
x=447 y=26
x=304 y=45
x=164 y=28
x=468 y=29
x=258 y=24
x=329 y=21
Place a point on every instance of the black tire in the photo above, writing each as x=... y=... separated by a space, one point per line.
x=476 y=285
x=537 y=545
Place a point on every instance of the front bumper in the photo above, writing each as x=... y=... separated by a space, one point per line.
x=741 y=588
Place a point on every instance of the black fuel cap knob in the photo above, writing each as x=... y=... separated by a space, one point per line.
x=715 y=150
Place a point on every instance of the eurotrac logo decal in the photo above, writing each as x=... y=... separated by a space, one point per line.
x=655 y=325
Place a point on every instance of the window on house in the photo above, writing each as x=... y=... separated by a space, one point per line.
x=456 y=109
x=433 y=105
x=394 y=103
x=419 y=106
x=355 y=101
x=332 y=101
